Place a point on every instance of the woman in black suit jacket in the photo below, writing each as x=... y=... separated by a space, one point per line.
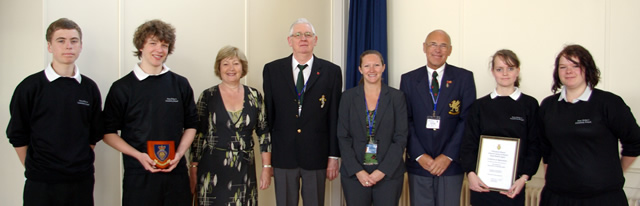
x=372 y=133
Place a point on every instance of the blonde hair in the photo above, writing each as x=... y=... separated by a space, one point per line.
x=228 y=52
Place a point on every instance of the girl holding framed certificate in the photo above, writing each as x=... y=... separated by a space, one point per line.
x=505 y=112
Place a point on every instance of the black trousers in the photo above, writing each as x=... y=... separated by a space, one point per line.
x=287 y=184
x=54 y=194
x=156 y=189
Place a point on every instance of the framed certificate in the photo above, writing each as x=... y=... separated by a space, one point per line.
x=498 y=161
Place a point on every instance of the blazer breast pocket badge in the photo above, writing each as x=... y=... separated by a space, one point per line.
x=455 y=107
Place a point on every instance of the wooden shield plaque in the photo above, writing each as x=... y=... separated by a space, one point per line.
x=161 y=152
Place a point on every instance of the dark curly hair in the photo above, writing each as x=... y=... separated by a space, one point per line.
x=154 y=28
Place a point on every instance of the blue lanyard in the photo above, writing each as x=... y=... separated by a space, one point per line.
x=371 y=120
x=435 y=100
x=299 y=93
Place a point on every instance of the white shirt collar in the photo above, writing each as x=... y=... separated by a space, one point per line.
x=141 y=75
x=515 y=95
x=440 y=70
x=294 y=64
x=584 y=97
x=52 y=75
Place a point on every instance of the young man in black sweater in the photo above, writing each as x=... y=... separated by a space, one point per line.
x=55 y=124
x=152 y=103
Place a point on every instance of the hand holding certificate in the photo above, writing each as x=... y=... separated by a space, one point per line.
x=497 y=161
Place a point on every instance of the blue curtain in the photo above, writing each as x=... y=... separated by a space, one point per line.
x=367 y=30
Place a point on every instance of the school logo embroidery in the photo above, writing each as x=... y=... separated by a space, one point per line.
x=83 y=102
x=171 y=100
x=455 y=107
x=583 y=121
x=516 y=118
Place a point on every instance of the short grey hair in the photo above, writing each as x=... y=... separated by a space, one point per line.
x=301 y=21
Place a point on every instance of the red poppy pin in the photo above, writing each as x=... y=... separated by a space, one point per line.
x=318 y=73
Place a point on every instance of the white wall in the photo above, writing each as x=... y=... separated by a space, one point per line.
x=536 y=31
x=20 y=56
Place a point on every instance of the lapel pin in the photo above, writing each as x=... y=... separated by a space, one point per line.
x=448 y=82
x=318 y=73
x=322 y=100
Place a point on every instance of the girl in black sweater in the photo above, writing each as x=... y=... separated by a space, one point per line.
x=505 y=112
x=581 y=127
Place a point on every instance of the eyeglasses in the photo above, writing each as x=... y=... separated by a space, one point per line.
x=299 y=35
x=442 y=46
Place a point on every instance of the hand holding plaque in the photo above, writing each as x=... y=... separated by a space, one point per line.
x=161 y=152
x=497 y=161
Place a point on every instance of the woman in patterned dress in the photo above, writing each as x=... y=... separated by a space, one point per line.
x=222 y=168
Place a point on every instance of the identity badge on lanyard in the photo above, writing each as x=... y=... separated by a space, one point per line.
x=300 y=93
x=433 y=121
x=372 y=146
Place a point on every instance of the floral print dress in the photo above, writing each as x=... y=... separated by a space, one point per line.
x=223 y=148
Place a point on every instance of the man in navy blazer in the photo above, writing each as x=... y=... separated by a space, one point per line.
x=438 y=96
x=302 y=93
